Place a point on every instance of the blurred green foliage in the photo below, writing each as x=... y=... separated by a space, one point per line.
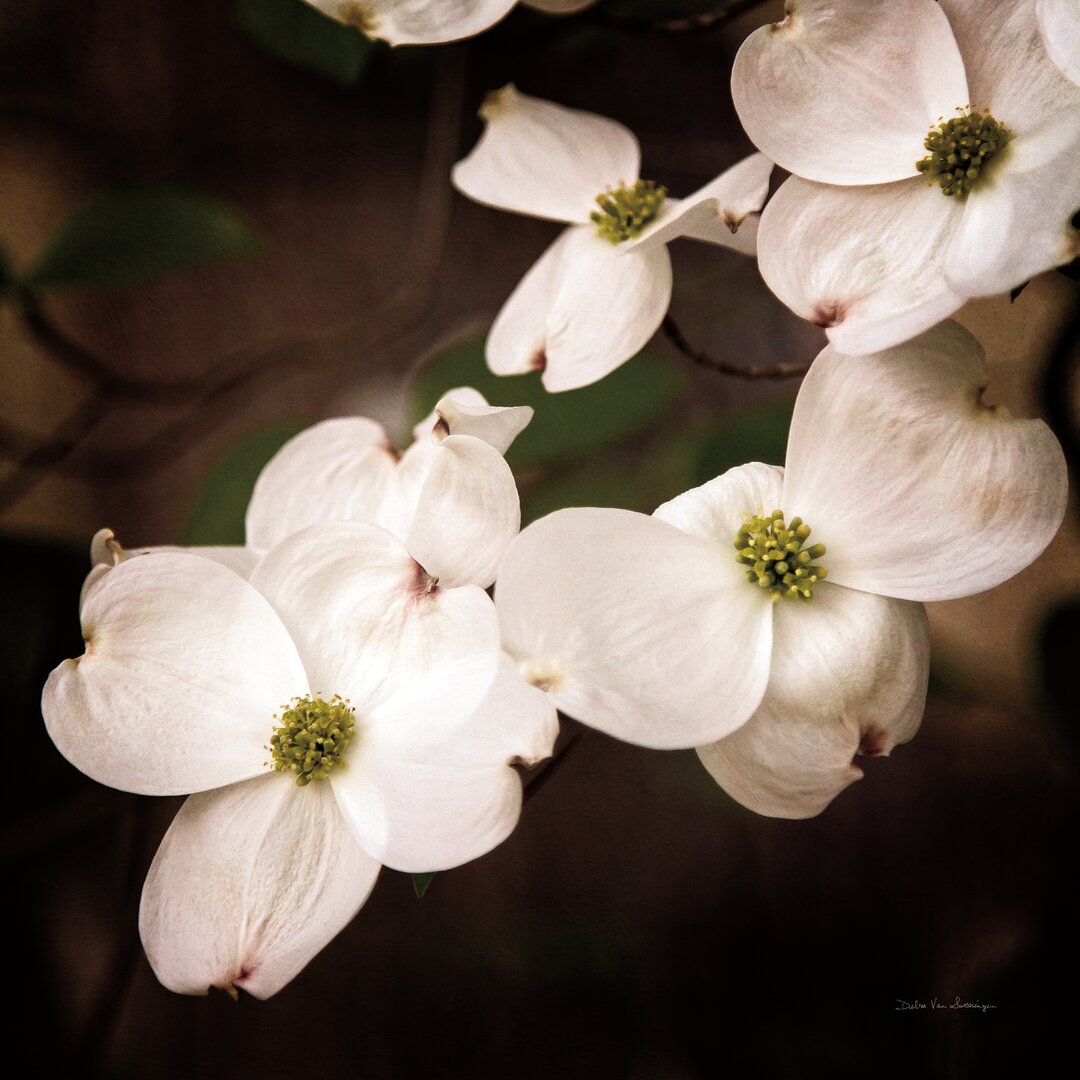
x=631 y=400
x=218 y=514
x=758 y=433
x=298 y=34
x=135 y=236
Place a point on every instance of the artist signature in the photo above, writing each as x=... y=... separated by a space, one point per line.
x=935 y=1003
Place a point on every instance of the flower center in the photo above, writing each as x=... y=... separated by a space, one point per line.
x=776 y=557
x=960 y=150
x=626 y=210
x=311 y=737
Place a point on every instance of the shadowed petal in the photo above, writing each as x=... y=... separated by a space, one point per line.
x=365 y=616
x=430 y=785
x=250 y=882
x=416 y=22
x=849 y=675
x=845 y=91
x=917 y=488
x=581 y=311
x=866 y=263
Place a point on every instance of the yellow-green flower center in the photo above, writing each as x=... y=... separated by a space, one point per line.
x=311 y=737
x=776 y=557
x=960 y=149
x=625 y=211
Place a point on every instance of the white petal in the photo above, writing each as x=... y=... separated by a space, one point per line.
x=716 y=510
x=416 y=22
x=559 y=7
x=1007 y=68
x=106 y=552
x=1018 y=221
x=430 y=785
x=714 y=212
x=581 y=311
x=635 y=628
x=845 y=91
x=250 y=882
x=918 y=489
x=539 y=158
x=185 y=667
x=497 y=425
x=867 y=263
x=1059 y=24
x=467 y=512
x=338 y=470
x=364 y=616
x=849 y=675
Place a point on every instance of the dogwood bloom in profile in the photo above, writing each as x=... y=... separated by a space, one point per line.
x=1059 y=24
x=805 y=643
x=450 y=497
x=602 y=288
x=431 y=22
x=935 y=153
x=336 y=712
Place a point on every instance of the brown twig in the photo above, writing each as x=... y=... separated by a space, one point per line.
x=689 y=24
x=750 y=371
x=207 y=397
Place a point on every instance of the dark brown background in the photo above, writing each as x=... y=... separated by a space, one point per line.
x=638 y=924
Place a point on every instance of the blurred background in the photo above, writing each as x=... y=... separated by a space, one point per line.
x=222 y=221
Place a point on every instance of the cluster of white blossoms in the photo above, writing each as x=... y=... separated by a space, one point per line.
x=350 y=641
x=341 y=693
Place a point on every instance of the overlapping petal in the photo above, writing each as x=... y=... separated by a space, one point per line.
x=713 y=212
x=581 y=311
x=917 y=488
x=543 y=159
x=849 y=675
x=1019 y=225
x=416 y=22
x=458 y=413
x=364 y=616
x=1006 y=63
x=634 y=627
x=184 y=669
x=467 y=513
x=337 y=470
x=866 y=263
x=249 y=883
x=430 y=785
x=844 y=91
x=1059 y=24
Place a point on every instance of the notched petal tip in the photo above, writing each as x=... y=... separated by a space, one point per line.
x=829 y=313
x=498 y=101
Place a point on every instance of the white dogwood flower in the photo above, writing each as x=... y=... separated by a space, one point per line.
x=450 y=497
x=935 y=153
x=1059 y=24
x=602 y=288
x=337 y=712
x=431 y=22
x=805 y=643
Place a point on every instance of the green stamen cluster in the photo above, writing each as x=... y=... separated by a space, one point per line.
x=774 y=552
x=625 y=211
x=960 y=149
x=311 y=737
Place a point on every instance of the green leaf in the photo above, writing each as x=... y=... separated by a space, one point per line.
x=632 y=399
x=302 y=36
x=420 y=883
x=135 y=236
x=218 y=514
x=758 y=434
